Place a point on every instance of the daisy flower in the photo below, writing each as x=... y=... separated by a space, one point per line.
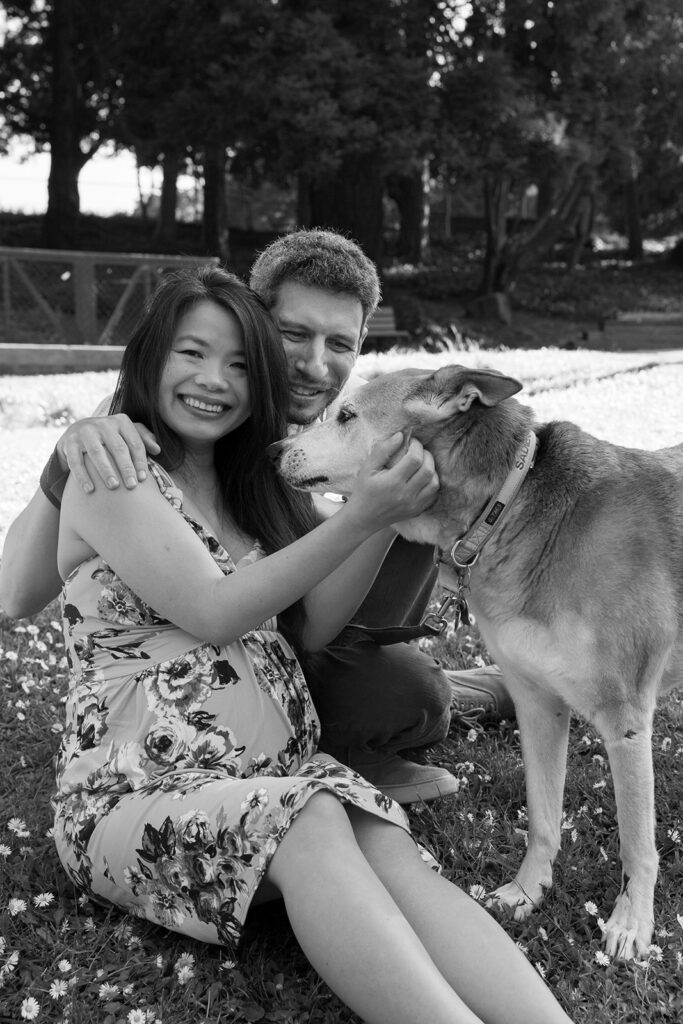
x=591 y=908
x=43 y=899
x=17 y=906
x=30 y=1008
x=58 y=988
x=184 y=975
x=108 y=991
x=601 y=958
x=64 y=966
x=137 y=1017
x=184 y=960
x=18 y=826
x=5 y=850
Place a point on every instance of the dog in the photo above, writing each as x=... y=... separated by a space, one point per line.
x=577 y=589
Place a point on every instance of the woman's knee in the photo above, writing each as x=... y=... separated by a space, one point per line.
x=381 y=840
x=318 y=833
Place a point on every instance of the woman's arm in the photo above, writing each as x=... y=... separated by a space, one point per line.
x=152 y=548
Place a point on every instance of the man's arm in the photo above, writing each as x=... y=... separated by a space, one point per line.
x=28 y=571
x=29 y=579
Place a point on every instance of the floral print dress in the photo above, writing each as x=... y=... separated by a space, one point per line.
x=183 y=763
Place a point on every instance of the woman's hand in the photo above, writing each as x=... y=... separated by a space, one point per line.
x=117 y=446
x=397 y=481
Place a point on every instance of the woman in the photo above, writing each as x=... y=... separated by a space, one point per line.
x=188 y=780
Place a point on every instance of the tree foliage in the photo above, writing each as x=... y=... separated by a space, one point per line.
x=59 y=88
x=354 y=101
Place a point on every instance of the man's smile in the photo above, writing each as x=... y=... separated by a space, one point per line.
x=304 y=391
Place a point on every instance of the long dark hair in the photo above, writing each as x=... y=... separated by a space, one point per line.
x=260 y=502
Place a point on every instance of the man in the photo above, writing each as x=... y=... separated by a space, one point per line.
x=373 y=700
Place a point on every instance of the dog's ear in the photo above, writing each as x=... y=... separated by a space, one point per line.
x=452 y=389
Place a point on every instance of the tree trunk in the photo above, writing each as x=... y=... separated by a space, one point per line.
x=215 y=229
x=632 y=207
x=410 y=192
x=165 y=232
x=303 y=200
x=583 y=225
x=496 y=197
x=350 y=201
x=60 y=227
x=506 y=256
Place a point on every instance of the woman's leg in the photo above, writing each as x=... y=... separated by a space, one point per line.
x=351 y=929
x=470 y=949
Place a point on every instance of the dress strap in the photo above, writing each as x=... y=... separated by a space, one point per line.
x=166 y=484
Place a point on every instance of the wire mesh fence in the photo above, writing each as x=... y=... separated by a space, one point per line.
x=77 y=298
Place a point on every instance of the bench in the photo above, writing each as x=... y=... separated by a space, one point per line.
x=382 y=326
x=644 y=330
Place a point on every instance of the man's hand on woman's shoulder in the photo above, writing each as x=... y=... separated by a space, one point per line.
x=117 y=448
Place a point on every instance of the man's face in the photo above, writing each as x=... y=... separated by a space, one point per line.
x=322 y=333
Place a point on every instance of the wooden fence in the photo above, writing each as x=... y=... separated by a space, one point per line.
x=54 y=296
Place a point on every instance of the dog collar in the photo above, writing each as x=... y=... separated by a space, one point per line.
x=465 y=550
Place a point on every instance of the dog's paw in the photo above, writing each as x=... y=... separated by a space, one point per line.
x=626 y=935
x=512 y=900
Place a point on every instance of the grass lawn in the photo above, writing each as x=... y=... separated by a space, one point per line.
x=83 y=965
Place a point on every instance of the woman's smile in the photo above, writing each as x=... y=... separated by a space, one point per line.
x=203 y=405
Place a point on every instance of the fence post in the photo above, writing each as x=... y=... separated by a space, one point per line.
x=86 y=299
x=6 y=300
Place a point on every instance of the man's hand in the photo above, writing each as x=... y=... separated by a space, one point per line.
x=116 y=446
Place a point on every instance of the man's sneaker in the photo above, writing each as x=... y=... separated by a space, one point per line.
x=478 y=695
x=404 y=781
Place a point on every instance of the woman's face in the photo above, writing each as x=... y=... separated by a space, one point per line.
x=204 y=391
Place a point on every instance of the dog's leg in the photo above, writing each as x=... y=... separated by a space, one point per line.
x=543 y=721
x=628 y=740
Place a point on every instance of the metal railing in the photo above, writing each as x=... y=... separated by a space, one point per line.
x=55 y=296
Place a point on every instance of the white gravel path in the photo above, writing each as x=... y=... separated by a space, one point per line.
x=632 y=399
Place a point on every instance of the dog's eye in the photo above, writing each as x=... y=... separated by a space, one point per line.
x=344 y=415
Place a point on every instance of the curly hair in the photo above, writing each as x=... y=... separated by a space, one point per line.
x=322 y=259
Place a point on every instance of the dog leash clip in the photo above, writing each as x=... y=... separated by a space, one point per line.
x=436 y=622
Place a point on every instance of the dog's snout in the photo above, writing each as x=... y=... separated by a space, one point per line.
x=274 y=450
